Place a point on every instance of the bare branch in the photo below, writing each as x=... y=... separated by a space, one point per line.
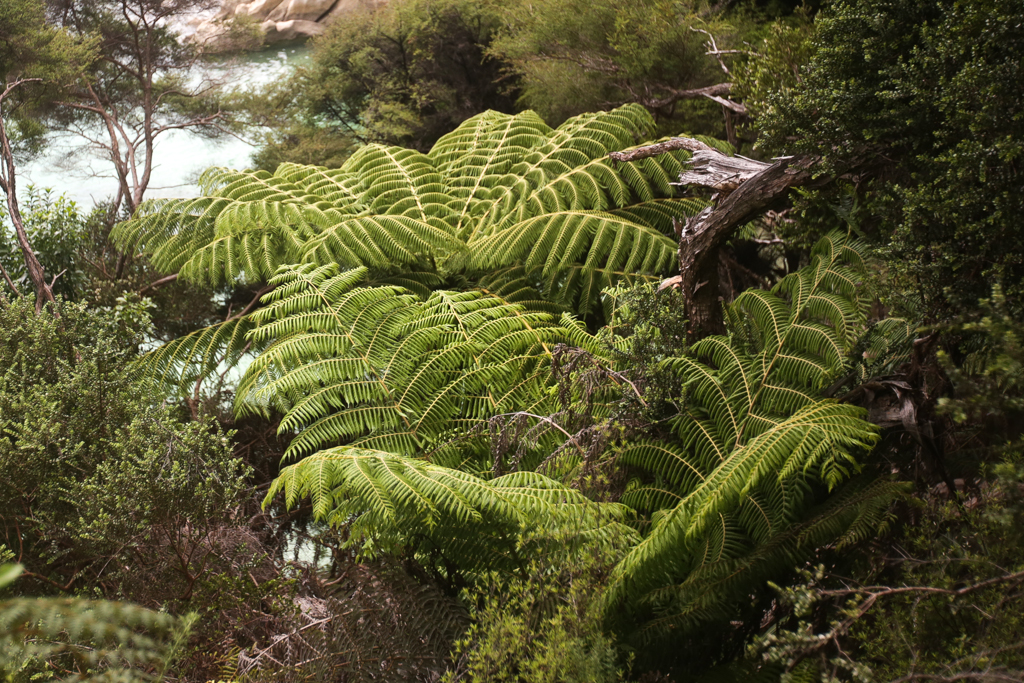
x=875 y=593
x=737 y=107
x=7 y=278
x=156 y=284
x=712 y=169
x=713 y=51
x=15 y=84
x=671 y=145
x=696 y=93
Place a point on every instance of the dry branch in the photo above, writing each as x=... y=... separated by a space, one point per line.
x=744 y=188
x=670 y=145
x=710 y=168
x=716 y=92
x=743 y=193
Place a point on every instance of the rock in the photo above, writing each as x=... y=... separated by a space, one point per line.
x=277 y=31
x=227 y=9
x=278 y=20
x=301 y=10
x=260 y=9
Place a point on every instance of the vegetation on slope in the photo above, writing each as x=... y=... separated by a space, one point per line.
x=422 y=402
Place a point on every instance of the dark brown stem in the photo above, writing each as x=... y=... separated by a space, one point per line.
x=159 y=283
x=10 y=283
x=39 y=577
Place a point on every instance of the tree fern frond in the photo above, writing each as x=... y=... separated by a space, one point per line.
x=379 y=366
x=499 y=192
x=811 y=440
x=395 y=494
x=753 y=432
x=859 y=509
x=182 y=362
x=883 y=348
x=515 y=286
x=421 y=283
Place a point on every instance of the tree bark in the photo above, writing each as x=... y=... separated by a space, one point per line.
x=743 y=189
x=703 y=234
x=8 y=183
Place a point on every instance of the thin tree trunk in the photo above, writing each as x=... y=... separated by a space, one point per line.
x=8 y=183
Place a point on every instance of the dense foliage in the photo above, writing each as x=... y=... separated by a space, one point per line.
x=79 y=435
x=929 y=93
x=574 y=56
x=421 y=402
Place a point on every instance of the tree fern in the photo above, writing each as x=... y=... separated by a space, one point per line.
x=500 y=191
x=414 y=296
x=88 y=639
x=504 y=205
x=478 y=522
x=729 y=499
x=375 y=381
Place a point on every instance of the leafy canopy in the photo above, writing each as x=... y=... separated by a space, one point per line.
x=931 y=93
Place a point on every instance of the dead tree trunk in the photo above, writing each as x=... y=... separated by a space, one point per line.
x=743 y=189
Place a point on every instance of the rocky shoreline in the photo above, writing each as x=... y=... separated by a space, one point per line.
x=272 y=20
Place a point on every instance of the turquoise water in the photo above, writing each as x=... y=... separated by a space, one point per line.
x=71 y=166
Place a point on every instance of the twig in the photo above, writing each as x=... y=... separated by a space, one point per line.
x=7 y=278
x=544 y=418
x=876 y=592
x=714 y=51
x=159 y=283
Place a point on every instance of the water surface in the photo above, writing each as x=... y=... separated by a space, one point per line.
x=71 y=166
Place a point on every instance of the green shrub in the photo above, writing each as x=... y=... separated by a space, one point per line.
x=543 y=627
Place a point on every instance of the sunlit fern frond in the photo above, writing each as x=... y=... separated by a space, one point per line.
x=476 y=520
x=500 y=192
x=753 y=434
x=378 y=367
x=183 y=361
x=814 y=442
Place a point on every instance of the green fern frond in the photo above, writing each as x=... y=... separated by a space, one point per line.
x=183 y=361
x=104 y=640
x=858 y=510
x=470 y=517
x=753 y=432
x=379 y=367
x=883 y=348
x=515 y=286
x=816 y=440
x=499 y=192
